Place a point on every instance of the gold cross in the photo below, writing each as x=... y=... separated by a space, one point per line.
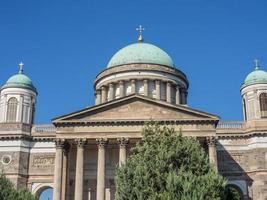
x=140 y=29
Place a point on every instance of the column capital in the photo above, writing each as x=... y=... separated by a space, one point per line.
x=103 y=87
x=80 y=142
x=123 y=142
x=111 y=84
x=59 y=142
x=133 y=80
x=101 y=142
x=169 y=83
x=121 y=82
x=211 y=141
x=145 y=80
x=177 y=87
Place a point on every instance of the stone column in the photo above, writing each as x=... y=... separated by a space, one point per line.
x=58 y=169
x=123 y=142
x=168 y=92
x=145 y=87
x=211 y=141
x=98 y=97
x=100 y=194
x=79 y=169
x=111 y=91
x=65 y=174
x=133 y=86
x=158 y=89
x=103 y=94
x=121 y=85
x=177 y=96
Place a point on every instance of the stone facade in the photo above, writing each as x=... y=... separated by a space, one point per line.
x=77 y=155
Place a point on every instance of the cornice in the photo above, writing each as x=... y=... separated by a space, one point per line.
x=243 y=136
x=135 y=122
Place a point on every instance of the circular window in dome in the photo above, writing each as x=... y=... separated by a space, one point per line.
x=6 y=159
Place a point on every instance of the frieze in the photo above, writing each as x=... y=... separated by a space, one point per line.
x=43 y=161
x=15 y=126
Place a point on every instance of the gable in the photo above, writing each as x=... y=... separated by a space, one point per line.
x=136 y=108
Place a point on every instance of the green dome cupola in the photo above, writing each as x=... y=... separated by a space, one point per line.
x=20 y=80
x=140 y=52
x=255 y=77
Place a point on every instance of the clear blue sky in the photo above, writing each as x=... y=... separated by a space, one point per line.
x=65 y=44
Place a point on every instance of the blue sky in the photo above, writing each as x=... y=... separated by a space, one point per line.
x=65 y=44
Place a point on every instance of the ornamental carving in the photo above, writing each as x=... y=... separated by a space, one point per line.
x=80 y=142
x=123 y=142
x=60 y=143
x=6 y=159
x=102 y=142
x=43 y=161
x=211 y=141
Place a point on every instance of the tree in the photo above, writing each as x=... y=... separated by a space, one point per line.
x=232 y=193
x=164 y=165
x=8 y=192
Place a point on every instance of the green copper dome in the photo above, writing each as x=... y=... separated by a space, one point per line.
x=257 y=76
x=140 y=53
x=20 y=80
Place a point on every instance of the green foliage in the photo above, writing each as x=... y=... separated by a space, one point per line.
x=232 y=193
x=8 y=192
x=167 y=166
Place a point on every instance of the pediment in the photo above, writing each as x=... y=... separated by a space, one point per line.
x=134 y=108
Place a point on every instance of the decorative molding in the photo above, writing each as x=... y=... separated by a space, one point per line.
x=6 y=159
x=242 y=136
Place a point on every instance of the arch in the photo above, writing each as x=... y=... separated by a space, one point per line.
x=233 y=189
x=38 y=188
x=12 y=108
x=263 y=104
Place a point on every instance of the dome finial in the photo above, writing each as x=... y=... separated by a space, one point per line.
x=140 y=29
x=21 y=68
x=257 y=65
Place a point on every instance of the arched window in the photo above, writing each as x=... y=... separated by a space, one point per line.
x=12 y=106
x=263 y=104
x=46 y=194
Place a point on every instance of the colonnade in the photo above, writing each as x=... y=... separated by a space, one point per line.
x=61 y=164
x=107 y=93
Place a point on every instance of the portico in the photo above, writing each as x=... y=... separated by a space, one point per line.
x=99 y=145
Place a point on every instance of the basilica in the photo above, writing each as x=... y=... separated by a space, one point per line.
x=77 y=154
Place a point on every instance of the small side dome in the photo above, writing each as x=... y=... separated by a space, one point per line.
x=255 y=77
x=141 y=53
x=20 y=80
